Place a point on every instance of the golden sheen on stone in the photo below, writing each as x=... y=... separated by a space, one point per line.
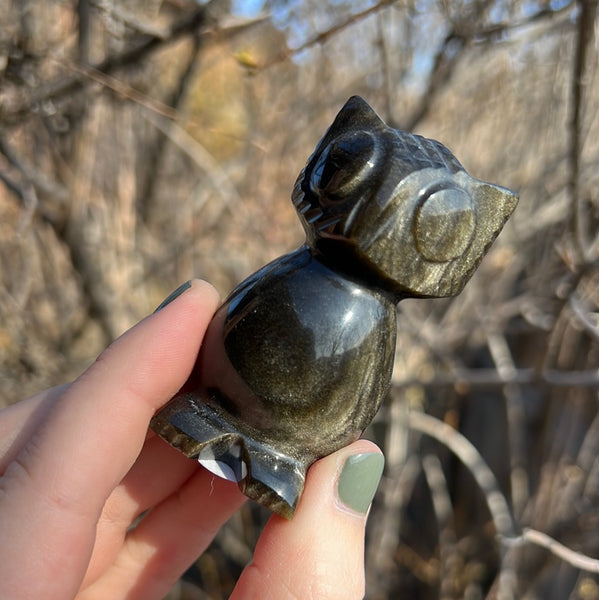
x=297 y=360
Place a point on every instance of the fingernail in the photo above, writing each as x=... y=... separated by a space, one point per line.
x=359 y=480
x=174 y=295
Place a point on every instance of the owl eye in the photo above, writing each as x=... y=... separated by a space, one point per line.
x=444 y=224
x=343 y=165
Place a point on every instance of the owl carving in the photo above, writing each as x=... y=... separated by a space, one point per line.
x=299 y=357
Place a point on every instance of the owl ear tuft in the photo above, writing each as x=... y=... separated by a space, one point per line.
x=357 y=113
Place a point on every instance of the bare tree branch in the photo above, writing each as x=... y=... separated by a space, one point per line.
x=68 y=85
x=585 y=35
x=83 y=30
x=498 y=507
x=456 y=41
x=42 y=183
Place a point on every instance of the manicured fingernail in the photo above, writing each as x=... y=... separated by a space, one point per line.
x=359 y=479
x=174 y=295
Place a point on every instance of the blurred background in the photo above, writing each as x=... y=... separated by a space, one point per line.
x=146 y=142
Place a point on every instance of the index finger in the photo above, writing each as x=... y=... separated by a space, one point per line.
x=52 y=494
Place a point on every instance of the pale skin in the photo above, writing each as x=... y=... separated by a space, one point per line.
x=78 y=465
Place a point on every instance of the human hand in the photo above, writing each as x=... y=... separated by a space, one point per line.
x=78 y=466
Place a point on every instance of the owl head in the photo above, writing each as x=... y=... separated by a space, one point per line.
x=396 y=208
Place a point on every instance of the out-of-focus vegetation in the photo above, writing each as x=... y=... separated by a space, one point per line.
x=143 y=143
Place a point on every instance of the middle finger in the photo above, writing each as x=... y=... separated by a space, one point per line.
x=159 y=471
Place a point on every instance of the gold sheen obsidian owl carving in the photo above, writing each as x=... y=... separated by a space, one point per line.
x=297 y=360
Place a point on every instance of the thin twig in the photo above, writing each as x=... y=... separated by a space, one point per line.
x=131 y=20
x=322 y=37
x=470 y=456
x=538 y=538
x=497 y=31
x=583 y=317
x=466 y=379
x=512 y=392
x=122 y=88
x=442 y=506
x=218 y=177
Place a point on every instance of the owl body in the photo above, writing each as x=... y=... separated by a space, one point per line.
x=297 y=360
x=302 y=347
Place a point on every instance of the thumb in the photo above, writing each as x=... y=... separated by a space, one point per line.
x=320 y=552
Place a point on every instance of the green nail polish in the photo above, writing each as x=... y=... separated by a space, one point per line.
x=174 y=295
x=359 y=479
